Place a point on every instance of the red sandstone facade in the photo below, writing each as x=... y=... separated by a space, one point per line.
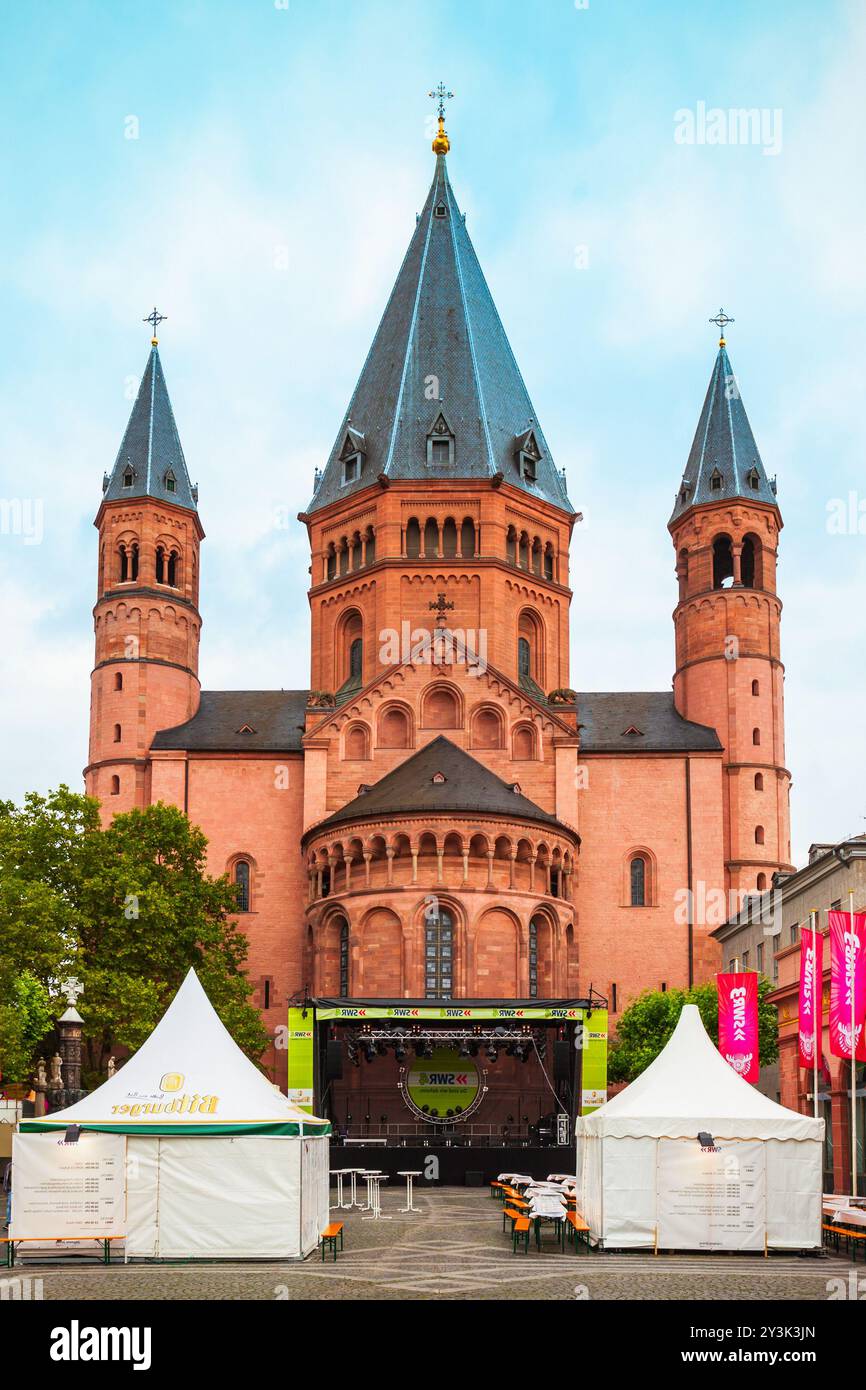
x=549 y=903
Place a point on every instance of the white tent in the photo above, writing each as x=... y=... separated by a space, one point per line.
x=647 y=1180
x=219 y=1163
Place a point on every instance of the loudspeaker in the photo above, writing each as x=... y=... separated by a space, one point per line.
x=334 y=1061
x=562 y=1061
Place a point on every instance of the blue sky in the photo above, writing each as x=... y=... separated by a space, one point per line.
x=282 y=154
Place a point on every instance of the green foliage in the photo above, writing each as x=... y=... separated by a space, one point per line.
x=128 y=909
x=647 y=1024
x=25 y=1018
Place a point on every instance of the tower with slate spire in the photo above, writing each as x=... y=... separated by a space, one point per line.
x=729 y=674
x=146 y=617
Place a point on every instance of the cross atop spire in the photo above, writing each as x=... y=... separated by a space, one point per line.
x=155 y=318
x=722 y=320
x=441 y=143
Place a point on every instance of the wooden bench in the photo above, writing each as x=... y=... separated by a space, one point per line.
x=11 y=1241
x=497 y=1189
x=329 y=1238
x=847 y=1235
x=521 y=1227
x=509 y=1214
x=577 y=1227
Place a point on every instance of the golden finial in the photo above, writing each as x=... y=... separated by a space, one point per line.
x=441 y=143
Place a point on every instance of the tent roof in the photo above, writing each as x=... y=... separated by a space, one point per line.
x=690 y=1087
x=188 y=1077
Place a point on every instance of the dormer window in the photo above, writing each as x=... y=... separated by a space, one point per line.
x=440 y=210
x=438 y=778
x=753 y=479
x=685 y=491
x=246 y=729
x=352 y=456
x=715 y=481
x=440 y=444
x=528 y=456
x=170 y=482
x=128 y=475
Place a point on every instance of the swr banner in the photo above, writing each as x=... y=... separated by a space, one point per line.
x=811 y=994
x=738 y=1023
x=847 y=984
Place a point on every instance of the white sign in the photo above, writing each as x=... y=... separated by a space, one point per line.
x=711 y=1199
x=64 y=1191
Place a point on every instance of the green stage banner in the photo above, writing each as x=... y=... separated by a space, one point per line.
x=453 y=1011
x=300 y=1075
x=445 y=1081
x=593 y=1092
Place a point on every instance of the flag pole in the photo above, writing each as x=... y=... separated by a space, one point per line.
x=853 y=947
x=817 y=1014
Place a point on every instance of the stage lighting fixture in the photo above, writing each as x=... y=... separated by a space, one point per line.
x=492 y=1054
x=352 y=1050
x=369 y=1049
x=465 y=1050
x=400 y=1051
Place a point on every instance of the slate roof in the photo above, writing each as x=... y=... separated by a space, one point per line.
x=605 y=718
x=152 y=445
x=469 y=789
x=440 y=321
x=275 y=716
x=723 y=443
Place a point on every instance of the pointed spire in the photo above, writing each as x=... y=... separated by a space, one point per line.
x=150 y=461
x=441 y=349
x=723 y=462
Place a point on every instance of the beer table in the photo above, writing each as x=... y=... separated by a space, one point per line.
x=409 y=1175
x=374 y=1199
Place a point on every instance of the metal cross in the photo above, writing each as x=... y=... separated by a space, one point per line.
x=154 y=318
x=722 y=320
x=440 y=607
x=441 y=94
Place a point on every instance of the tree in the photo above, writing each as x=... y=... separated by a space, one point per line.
x=128 y=909
x=647 y=1024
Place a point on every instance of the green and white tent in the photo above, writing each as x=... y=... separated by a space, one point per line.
x=219 y=1162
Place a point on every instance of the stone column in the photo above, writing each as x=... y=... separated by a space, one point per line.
x=490 y=855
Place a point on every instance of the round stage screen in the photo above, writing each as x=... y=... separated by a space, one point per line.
x=446 y=1081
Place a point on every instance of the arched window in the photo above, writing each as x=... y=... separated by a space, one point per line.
x=548 y=561
x=357 y=742
x=759 y=781
x=759 y=834
x=413 y=538
x=133 y=560
x=331 y=562
x=441 y=709
x=431 y=537
x=449 y=538
x=344 y=556
x=523 y=551
x=370 y=547
x=118 y=680
x=511 y=546
x=723 y=563
x=394 y=729
x=637 y=878
x=467 y=538
x=536 y=555
x=762 y=883
x=751 y=563
x=344 y=959
x=523 y=743
x=350 y=650
x=756 y=737
x=115 y=785
x=117 y=733
x=438 y=953
x=357 y=551
x=171 y=570
x=486 y=729
x=524 y=657
x=533 y=958
x=123 y=557
x=356 y=658
x=160 y=565
x=241 y=879
x=756 y=688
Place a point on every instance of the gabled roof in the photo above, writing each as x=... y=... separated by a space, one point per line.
x=151 y=447
x=691 y=1087
x=725 y=446
x=468 y=788
x=607 y=717
x=440 y=348
x=276 y=718
x=189 y=1077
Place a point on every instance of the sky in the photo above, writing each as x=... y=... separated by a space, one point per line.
x=254 y=169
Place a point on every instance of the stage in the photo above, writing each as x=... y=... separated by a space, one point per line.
x=454 y=1166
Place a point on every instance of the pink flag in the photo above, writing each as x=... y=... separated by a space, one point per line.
x=738 y=1023
x=811 y=994
x=847 y=983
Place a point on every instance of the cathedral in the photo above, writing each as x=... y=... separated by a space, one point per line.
x=442 y=814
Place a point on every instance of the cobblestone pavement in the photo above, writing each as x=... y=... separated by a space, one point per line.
x=454 y=1248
